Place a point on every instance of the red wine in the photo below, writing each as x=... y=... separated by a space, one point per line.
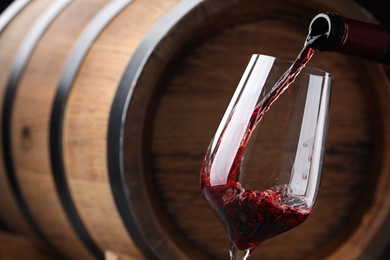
x=249 y=216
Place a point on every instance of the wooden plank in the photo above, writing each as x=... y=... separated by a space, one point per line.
x=14 y=246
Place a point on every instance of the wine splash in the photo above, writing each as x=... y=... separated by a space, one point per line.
x=250 y=216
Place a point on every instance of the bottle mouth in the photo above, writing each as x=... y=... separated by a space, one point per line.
x=330 y=27
x=320 y=25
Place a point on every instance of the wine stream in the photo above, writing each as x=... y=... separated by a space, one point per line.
x=280 y=86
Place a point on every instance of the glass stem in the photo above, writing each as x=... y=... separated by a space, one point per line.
x=236 y=254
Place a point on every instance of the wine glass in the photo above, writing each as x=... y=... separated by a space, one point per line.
x=262 y=170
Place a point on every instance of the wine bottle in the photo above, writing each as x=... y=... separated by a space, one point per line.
x=352 y=37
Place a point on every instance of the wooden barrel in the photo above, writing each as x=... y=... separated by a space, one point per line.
x=108 y=108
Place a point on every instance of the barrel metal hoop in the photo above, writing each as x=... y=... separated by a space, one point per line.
x=19 y=63
x=117 y=118
x=68 y=76
x=10 y=13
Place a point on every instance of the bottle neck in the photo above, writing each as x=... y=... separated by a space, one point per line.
x=352 y=37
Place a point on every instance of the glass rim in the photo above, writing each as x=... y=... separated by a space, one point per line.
x=305 y=70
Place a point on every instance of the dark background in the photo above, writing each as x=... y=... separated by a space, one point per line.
x=379 y=9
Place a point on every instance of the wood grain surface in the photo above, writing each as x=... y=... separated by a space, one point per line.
x=30 y=125
x=14 y=246
x=10 y=40
x=86 y=123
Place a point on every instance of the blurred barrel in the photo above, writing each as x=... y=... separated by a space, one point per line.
x=108 y=107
